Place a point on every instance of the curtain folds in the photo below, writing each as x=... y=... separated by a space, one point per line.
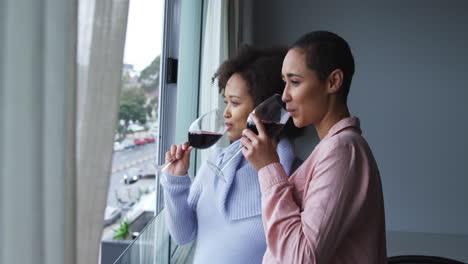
x=215 y=49
x=101 y=26
x=37 y=131
x=60 y=72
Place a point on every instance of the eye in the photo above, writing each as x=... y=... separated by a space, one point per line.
x=235 y=103
x=295 y=82
x=225 y=102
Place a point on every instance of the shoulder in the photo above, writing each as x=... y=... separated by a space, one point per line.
x=347 y=149
x=347 y=139
x=342 y=146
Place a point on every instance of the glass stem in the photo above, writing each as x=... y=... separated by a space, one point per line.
x=227 y=162
x=164 y=166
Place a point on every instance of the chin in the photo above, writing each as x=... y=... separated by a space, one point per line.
x=232 y=137
x=298 y=123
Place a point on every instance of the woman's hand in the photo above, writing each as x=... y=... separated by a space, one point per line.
x=181 y=159
x=259 y=150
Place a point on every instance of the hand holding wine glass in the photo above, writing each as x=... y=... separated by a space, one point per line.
x=179 y=158
x=203 y=133
x=259 y=148
x=272 y=115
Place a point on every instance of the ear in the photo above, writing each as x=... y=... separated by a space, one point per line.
x=335 y=81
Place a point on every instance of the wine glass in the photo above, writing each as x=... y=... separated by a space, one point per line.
x=204 y=132
x=273 y=115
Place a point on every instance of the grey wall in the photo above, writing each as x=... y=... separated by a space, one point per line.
x=409 y=90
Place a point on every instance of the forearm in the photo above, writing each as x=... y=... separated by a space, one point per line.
x=282 y=218
x=307 y=225
x=180 y=217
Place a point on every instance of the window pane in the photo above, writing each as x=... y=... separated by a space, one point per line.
x=131 y=194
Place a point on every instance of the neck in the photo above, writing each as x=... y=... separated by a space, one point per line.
x=332 y=117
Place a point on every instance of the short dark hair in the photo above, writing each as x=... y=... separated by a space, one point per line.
x=326 y=52
x=261 y=69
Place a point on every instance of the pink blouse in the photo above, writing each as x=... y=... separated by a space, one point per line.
x=331 y=210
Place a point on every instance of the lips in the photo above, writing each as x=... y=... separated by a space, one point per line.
x=228 y=126
x=291 y=111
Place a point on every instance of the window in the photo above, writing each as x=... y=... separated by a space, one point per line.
x=131 y=193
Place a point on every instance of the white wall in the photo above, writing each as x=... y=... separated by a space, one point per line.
x=409 y=90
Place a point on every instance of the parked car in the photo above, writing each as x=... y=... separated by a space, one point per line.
x=132 y=175
x=118 y=146
x=139 y=142
x=135 y=128
x=127 y=144
x=130 y=179
x=149 y=140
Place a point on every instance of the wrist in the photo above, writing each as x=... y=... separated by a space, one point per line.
x=266 y=163
x=180 y=173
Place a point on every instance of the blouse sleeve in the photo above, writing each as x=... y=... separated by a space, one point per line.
x=312 y=234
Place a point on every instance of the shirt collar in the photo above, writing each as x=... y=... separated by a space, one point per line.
x=348 y=122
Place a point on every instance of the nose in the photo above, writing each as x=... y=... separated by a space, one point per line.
x=227 y=112
x=286 y=97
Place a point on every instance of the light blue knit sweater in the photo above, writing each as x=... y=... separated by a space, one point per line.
x=224 y=217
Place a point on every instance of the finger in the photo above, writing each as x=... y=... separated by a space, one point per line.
x=249 y=134
x=247 y=153
x=246 y=143
x=180 y=151
x=168 y=156
x=260 y=127
x=187 y=152
x=173 y=150
x=185 y=145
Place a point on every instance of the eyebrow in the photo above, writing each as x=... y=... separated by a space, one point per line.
x=294 y=75
x=231 y=96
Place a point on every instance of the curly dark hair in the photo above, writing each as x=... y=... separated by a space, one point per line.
x=261 y=69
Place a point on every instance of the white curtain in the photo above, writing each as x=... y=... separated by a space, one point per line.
x=214 y=52
x=57 y=118
x=37 y=131
x=101 y=38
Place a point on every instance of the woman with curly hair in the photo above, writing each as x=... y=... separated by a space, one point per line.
x=225 y=217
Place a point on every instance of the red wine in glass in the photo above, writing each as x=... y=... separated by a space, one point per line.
x=204 y=132
x=203 y=139
x=273 y=116
x=273 y=129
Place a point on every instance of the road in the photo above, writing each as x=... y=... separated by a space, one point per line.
x=130 y=162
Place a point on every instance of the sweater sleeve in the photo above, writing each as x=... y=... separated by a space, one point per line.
x=181 y=217
x=311 y=234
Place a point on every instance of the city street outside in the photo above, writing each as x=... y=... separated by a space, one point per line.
x=131 y=161
x=128 y=161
